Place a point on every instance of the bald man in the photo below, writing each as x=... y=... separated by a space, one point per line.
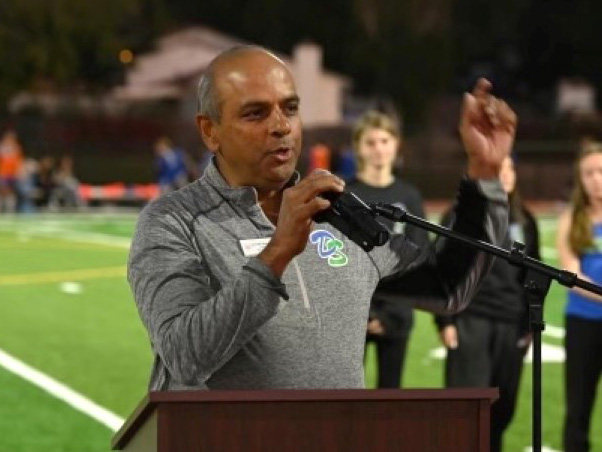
x=239 y=288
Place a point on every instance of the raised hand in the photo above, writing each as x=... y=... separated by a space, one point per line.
x=487 y=127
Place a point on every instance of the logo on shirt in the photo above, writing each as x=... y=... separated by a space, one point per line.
x=329 y=248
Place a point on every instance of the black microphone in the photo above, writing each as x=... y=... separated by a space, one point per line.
x=354 y=218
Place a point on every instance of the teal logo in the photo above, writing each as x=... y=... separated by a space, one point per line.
x=329 y=248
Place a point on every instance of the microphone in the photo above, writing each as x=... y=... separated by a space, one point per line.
x=354 y=218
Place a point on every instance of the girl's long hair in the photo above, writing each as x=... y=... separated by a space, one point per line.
x=580 y=234
x=515 y=205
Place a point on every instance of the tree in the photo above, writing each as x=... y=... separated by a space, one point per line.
x=65 y=43
x=408 y=49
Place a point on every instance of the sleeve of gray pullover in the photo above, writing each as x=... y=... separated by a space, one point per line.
x=194 y=327
x=444 y=276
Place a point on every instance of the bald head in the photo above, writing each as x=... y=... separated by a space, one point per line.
x=208 y=99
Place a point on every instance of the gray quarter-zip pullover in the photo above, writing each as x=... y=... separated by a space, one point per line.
x=220 y=319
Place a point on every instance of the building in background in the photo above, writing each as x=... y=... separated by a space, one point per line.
x=171 y=73
x=575 y=97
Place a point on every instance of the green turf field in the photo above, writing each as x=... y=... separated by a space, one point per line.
x=66 y=311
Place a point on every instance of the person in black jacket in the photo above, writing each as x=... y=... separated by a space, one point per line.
x=376 y=143
x=486 y=343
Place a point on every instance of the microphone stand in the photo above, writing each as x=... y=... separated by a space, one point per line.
x=537 y=283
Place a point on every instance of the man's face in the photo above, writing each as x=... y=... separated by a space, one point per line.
x=258 y=138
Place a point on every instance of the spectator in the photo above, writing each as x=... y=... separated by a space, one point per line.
x=11 y=161
x=579 y=244
x=45 y=181
x=171 y=166
x=377 y=142
x=66 y=186
x=26 y=186
x=487 y=342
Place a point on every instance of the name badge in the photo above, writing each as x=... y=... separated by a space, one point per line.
x=252 y=247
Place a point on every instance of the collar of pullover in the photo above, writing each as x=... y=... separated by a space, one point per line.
x=244 y=196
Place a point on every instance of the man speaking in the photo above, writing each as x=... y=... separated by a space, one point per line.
x=236 y=284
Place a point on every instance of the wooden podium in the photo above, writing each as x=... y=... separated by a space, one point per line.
x=416 y=420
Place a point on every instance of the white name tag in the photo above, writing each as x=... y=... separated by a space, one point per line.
x=252 y=247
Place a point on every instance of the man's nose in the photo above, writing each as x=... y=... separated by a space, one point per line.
x=280 y=123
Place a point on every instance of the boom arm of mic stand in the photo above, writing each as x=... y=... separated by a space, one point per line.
x=515 y=256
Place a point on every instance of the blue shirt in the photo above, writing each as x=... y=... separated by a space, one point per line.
x=170 y=166
x=591 y=266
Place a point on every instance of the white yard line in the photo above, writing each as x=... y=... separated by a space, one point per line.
x=551 y=353
x=77 y=236
x=63 y=230
x=543 y=449
x=90 y=237
x=554 y=331
x=60 y=391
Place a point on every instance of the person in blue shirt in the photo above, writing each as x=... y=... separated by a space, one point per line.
x=579 y=244
x=172 y=171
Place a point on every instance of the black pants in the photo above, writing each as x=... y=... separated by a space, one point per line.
x=583 y=346
x=488 y=356
x=391 y=353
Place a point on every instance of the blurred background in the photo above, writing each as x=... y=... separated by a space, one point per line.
x=100 y=81
x=90 y=90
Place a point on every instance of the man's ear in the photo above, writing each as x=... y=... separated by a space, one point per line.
x=208 y=131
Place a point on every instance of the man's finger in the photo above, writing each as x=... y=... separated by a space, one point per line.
x=499 y=113
x=314 y=184
x=491 y=109
x=481 y=88
x=507 y=115
x=469 y=110
x=324 y=173
x=319 y=172
x=312 y=207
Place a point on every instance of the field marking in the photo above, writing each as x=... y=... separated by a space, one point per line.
x=61 y=391
x=543 y=449
x=81 y=237
x=51 y=277
x=55 y=230
x=554 y=331
x=549 y=353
